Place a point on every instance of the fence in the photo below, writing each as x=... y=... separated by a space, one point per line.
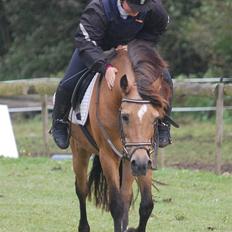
x=216 y=88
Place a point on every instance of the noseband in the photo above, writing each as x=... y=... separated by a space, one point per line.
x=134 y=146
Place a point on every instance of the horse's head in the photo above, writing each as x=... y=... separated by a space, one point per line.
x=143 y=103
x=138 y=120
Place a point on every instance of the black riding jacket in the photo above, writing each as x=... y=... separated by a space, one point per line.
x=102 y=28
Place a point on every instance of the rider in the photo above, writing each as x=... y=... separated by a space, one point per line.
x=107 y=24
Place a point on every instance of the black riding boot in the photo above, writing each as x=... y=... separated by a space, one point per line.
x=164 y=133
x=164 y=125
x=60 y=124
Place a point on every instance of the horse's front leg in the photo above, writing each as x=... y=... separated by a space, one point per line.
x=80 y=167
x=126 y=192
x=146 y=205
x=110 y=166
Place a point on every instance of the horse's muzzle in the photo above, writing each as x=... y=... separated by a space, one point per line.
x=140 y=163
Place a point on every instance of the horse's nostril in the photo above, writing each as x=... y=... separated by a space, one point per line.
x=149 y=163
x=144 y=168
x=133 y=163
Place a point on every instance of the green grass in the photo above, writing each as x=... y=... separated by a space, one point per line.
x=194 y=142
x=37 y=195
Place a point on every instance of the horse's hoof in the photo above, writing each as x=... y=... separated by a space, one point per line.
x=83 y=229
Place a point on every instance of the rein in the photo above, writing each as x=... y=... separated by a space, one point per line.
x=104 y=132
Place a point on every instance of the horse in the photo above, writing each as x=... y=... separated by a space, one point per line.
x=123 y=123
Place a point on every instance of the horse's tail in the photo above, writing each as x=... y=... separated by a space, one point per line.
x=98 y=186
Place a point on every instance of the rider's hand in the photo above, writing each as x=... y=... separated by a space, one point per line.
x=110 y=76
x=121 y=48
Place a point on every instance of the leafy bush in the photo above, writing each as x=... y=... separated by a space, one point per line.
x=36 y=37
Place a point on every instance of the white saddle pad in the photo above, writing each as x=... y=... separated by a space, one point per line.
x=83 y=111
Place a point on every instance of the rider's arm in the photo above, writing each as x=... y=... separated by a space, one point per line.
x=155 y=23
x=90 y=34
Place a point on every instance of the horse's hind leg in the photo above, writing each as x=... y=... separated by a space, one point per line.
x=80 y=166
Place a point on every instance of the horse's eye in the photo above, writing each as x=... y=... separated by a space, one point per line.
x=125 y=118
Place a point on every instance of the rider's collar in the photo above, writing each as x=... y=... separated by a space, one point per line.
x=122 y=12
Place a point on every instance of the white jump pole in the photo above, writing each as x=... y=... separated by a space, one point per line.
x=8 y=146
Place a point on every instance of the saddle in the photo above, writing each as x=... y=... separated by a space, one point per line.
x=81 y=87
x=78 y=94
x=84 y=80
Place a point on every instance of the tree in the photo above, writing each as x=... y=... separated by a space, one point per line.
x=175 y=47
x=198 y=40
x=210 y=32
x=36 y=37
x=5 y=35
x=42 y=37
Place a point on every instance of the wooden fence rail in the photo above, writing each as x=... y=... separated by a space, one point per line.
x=216 y=88
x=47 y=86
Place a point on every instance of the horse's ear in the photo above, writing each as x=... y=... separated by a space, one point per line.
x=124 y=83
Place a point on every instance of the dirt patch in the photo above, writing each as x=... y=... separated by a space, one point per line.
x=226 y=168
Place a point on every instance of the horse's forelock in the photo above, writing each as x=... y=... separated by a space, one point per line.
x=148 y=67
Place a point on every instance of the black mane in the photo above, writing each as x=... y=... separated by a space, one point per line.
x=148 y=67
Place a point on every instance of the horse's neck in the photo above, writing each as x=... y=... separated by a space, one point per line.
x=111 y=99
x=123 y=64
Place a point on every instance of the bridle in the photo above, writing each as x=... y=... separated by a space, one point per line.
x=134 y=146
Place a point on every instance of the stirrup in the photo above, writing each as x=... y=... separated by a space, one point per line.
x=62 y=121
x=164 y=135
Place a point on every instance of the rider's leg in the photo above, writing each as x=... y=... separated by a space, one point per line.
x=62 y=105
x=164 y=125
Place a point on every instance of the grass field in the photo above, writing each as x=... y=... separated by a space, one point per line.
x=193 y=144
x=37 y=195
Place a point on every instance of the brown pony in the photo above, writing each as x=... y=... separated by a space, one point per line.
x=122 y=123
